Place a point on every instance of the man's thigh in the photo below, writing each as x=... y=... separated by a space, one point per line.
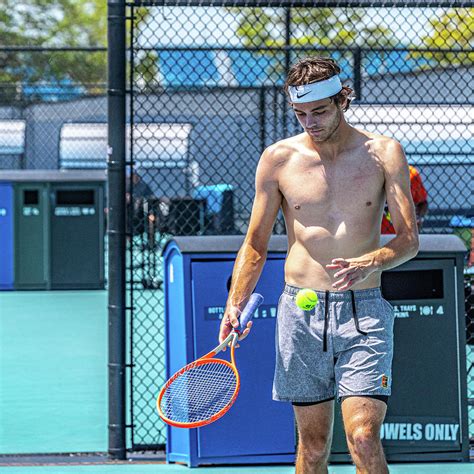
x=315 y=422
x=365 y=413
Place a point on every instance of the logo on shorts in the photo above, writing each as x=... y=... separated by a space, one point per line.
x=384 y=381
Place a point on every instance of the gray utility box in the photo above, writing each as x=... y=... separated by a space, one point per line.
x=57 y=229
x=427 y=412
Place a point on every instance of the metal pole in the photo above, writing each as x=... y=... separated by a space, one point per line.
x=287 y=66
x=116 y=225
x=358 y=73
x=262 y=119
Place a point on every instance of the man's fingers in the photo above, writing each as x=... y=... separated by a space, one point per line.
x=340 y=282
x=343 y=272
x=233 y=317
x=234 y=321
x=246 y=331
x=346 y=274
x=337 y=263
x=347 y=285
x=344 y=280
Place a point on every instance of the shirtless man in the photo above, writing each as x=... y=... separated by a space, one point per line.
x=331 y=182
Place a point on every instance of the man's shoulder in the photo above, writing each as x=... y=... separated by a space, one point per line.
x=282 y=150
x=382 y=146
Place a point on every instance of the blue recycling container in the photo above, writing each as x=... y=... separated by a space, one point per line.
x=7 y=276
x=219 y=207
x=214 y=194
x=256 y=430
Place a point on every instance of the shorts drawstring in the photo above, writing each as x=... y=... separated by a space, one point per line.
x=354 y=314
x=326 y=319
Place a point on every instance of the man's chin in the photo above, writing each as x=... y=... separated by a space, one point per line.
x=319 y=138
x=323 y=136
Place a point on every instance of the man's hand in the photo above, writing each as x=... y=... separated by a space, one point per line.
x=230 y=321
x=351 y=271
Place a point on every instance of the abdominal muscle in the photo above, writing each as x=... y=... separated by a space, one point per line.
x=310 y=249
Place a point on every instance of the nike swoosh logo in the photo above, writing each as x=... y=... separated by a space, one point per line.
x=302 y=95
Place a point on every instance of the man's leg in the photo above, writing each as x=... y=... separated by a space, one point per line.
x=363 y=418
x=314 y=437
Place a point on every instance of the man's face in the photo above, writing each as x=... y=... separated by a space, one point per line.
x=319 y=118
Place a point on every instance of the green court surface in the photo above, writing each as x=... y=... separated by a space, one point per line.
x=53 y=388
x=53 y=371
x=439 y=468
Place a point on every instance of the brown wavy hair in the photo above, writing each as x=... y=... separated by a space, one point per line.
x=315 y=69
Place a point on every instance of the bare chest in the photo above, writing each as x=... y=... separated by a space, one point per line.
x=344 y=185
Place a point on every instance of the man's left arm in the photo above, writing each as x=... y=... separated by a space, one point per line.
x=404 y=245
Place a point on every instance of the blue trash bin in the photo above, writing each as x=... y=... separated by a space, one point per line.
x=256 y=430
x=7 y=276
x=219 y=207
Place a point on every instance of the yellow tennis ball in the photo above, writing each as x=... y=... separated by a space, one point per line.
x=306 y=299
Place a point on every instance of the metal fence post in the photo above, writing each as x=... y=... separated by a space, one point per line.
x=287 y=66
x=116 y=226
x=358 y=73
x=262 y=117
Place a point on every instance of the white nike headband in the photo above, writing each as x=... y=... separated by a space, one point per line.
x=315 y=90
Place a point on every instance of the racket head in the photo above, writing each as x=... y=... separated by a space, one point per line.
x=199 y=393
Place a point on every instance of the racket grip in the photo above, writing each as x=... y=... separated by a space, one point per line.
x=253 y=303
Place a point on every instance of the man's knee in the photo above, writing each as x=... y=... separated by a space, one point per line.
x=364 y=440
x=314 y=448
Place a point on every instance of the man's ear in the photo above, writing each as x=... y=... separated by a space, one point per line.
x=343 y=105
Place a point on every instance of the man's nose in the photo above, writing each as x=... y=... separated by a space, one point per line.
x=311 y=122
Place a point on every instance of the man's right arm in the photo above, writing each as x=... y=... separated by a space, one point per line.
x=252 y=255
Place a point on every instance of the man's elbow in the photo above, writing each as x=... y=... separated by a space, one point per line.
x=413 y=243
x=258 y=247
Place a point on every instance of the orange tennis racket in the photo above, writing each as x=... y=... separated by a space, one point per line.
x=204 y=390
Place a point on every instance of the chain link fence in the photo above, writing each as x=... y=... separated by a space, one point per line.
x=207 y=99
x=47 y=97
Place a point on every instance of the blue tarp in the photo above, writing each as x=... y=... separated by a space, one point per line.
x=254 y=69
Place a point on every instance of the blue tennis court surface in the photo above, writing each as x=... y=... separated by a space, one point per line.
x=53 y=371
x=439 y=468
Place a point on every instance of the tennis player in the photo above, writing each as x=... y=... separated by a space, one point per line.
x=331 y=182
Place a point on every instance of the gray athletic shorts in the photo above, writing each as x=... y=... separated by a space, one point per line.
x=342 y=347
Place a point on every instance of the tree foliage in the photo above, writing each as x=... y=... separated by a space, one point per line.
x=310 y=27
x=54 y=23
x=454 y=30
x=321 y=27
x=57 y=24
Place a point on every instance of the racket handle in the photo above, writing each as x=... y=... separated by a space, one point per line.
x=254 y=302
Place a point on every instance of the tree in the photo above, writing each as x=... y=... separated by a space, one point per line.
x=334 y=27
x=55 y=23
x=453 y=30
x=319 y=27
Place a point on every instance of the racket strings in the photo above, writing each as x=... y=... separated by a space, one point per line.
x=199 y=393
